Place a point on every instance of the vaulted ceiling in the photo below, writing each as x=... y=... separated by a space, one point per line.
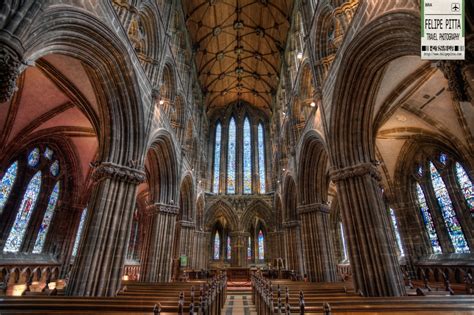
x=238 y=46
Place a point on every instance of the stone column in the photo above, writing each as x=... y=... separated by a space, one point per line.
x=99 y=263
x=275 y=247
x=293 y=248
x=186 y=241
x=200 y=254
x=371 y=249
x=317 y=242
x=157 y=262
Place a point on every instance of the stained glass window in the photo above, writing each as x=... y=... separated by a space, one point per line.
x=465 y=184
x=343 y=240
x=443 y=158
x=48 y=153
x=425 y=213
x=17 y=232
x=452 y=224
x=229 y=248
x=6 y=184
x=247 y=158
x=217 y=159
x=231 y=157
x=217 y=246
x=420 y=170
x=54 y=168
x=34 y=157
x=261 y=250
x=261 y=158
x=397 y=232
x=79 y=232
x=48 y=216
x=249 y=249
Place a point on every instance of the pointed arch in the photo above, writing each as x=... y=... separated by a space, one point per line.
x=247 y=157
x=262 y=170
x=231 y=156
x=217 y=158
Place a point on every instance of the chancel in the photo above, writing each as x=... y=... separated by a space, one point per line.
x=233 y=157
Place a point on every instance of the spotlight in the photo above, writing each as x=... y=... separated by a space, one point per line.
x=312 y=104
x=300 y=55
x=162 y=101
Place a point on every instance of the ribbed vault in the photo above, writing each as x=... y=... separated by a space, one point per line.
x=237 y=46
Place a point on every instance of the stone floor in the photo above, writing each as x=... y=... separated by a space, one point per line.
x=239 y=303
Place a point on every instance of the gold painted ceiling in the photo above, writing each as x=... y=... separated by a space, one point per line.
x=238 y=46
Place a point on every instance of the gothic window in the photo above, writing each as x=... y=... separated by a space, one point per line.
x=34 y=157
x=427 y=220
x=397 y=232
x=28 y=203
x=249 y=249
x=6 y=184
x=231 y=157
x=261 y=158
x=343 y=241
x=217 y=159
x=79 y=232
x=54 y=168
x=261 y=247
x=247 y=158
x=132 y=252
x=463 y=181
x=48 y=216
x=229 y=248
x=454 y=228
x=48 y=153
x=217 y=246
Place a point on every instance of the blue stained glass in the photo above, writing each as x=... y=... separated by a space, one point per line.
x=466 y=186
x=34 y=157
x=261 y=250
x=443 y=158
x=6 y=184
x=79 y=232
x=261 y=158
x=249 y=249
x=231 y=157
x=425 y=213
x=229 y=248
x=54 y=168
x=217 y=246
x=48 y=216
x=217 y=159
x=48 y=153
x=247 y=158
x=450 y=219
x=397 y=232
x=343 y=239
x=17 y=232
x=420 y=170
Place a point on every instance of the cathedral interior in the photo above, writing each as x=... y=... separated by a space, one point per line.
x=233 y=156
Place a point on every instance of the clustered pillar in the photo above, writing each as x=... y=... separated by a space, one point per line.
x=365 y=217
x=318 y=247
x=293 y=250
x=157 y=260
x=98 y=267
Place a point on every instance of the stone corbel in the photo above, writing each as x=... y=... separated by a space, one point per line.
x=131 y=174
x=187 y=224
x=457 y=83
x=11 y=65
x=314 y=207
x=355 y=171
x=291 y=224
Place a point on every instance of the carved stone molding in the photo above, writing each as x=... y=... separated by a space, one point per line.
x=187 y=224
x=314 y=207
x=453 y=72
x=130 y=174
x=291 y=224
x=10 y=68
x=162 y=208
x=355 y=171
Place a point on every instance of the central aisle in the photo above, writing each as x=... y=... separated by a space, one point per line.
x=239 y=302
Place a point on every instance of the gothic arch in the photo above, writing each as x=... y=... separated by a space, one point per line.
x=186 y=199
x=162 y=169
x=258 y=209
x=375 y=45
x=290 y=199
x=220 y=208
x=68 y=31
x=313 y=169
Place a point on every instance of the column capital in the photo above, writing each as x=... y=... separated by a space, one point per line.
x=162 y=208
x=291 y=224
x=452 y=71
x=314 y=207
x=357 y=170
x=131 y=174
x=186 y=224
